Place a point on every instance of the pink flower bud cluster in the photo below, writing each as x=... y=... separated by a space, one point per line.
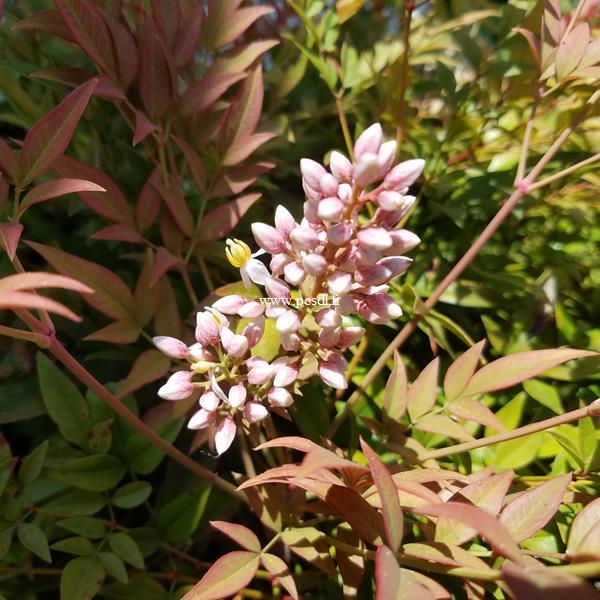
x=339 y=250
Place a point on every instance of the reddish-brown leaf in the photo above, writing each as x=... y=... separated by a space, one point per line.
x=49 y=21
x=10 y=234
x=515 y=368
x=111 y=296
x=57 y=187
x=292 y=442
x=9 y=163
x=240 y=58
x=446 y=554
x=143 y=127
x=235 y=24
x=396 y=390
x=120 y=232
x=206 y=91
x=189 y=35
x=571 y=50
x=387 y=575
x=530 y=511
x=35 y=280
x=148 y=367
x=148 y=203
x=217 y=223
x=583 y=523
x=163 y=261
x=243 y=147
x=321 y=458
x=26 y=300
x=237 y=179
x=195 y=164
x=126 y=52
x=177 y=206
x=473 y=410
x=74 y=76
x=239 y=534
x=461 y=370
x=50 y=136
x=422 y=392
x=227 y=576
x=443 y=425
x=120 y=332
x=393 y=519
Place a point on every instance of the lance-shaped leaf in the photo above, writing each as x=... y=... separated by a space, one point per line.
x=242 y=148
x=280 y=572
x=50 y=136
x=119 y=232
x=582 y=525
x=111 y=296
x=177 y=206
x=188 y=37
x=240 y=58
x=461 y=370
x=239 y=534
x=122 y=331
x=571 y=50
x=387 y=575
x=530 y=511
x=8 y=160
x=206 y=91
x=471 y=409
x=237 y=179
x=88 y=27
x=74 y=76
x=217 y=223
x=515 y=368
x=82 y=578
x=235 y=24
x=10 y=234
x=149 y=366
x=396 y=390
x=147 y=205
x=422 y=392
x=487 y=526
x=393 y=519
x=226 y=577
x=443 y=425
x=310 y=544
x=126 y=52
x=55 y=188
x=321 y=458
x=143 y=127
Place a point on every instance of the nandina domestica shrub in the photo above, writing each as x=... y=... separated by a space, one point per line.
x=269 y=399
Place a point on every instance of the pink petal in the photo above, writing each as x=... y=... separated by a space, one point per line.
x=369 y=141
x=268 y=238
x=209 y=401
x=254 y=411
x=170 y=346
x=237 y=395
x=280 y=397
x=224 y=435
x=178 y=387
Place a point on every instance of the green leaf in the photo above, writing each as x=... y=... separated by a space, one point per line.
x=6 y=537
x=81 y=579
x=77 y=502
x=34 y=539
x=114 y=566
x=20 y=401
x=78 y=545
x=516 y=454
x=96 y=473
x=87 y=526
x=132 y=494
x=32 y=464
x=125 y=548
x=100 y=437
x=396 y=390
x=65 y=405
x=545 y=394
x=178 y=519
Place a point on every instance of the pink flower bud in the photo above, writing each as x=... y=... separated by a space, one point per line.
x=207 y=330
x=403 y=241
x=340 y=166
x=285 y=374
x=224 y=435
x=284 y=221
x=273 y=311
x=367 y=170
x=374 y=275
x=366 y=257
x=344 y=192
x=339 y=283
x=379 y=308
x=254 y=331
x=209 y=401
x=290 y=342
x=329 y=185
x=255 y=411
x=170 y=346
x=237 y=395
x=339 y=234
x=369 y=141
x=276 y=288
x=251 y=309
x=329 y=337
x=395 y=264
x=294 y=273
x=386 y=156
x=235 y=345
x=311 y=193
x=312 y=172
x=260 y=372
x=314 y=264
x=288 y=322
x=198 y=353
x=310 y=213
x=350 y=336
x=229 y=305
x=328 y=318
x=330 y=209
x=268 y=238
x=404 y=174
x=332 y=371
x=279 y=397
x=278 y=263
x=390 y=200
x=202 y=419
x=304 y=238
x=374 y=238
x=178 y=387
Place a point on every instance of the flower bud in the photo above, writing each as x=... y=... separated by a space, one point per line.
x=329 y=185
x=197 y=352
x=344 y=192
x=288 y=322
x=380 y=308
x=268 y=238
x=310 y=213
x=395 y=264
x=314 y=264
x=209 y=401
x=290 y=342
x=339 y=234
x=390 y=200
x=284 y=221
x=374 y=238
x=374 y=275
x=229 y=305
x=178 y=387
x=330 y=209
x=250 y=310
x=350 y=336
x=366 y=257
x=404 y=174
x=332 y=371
x=278 y=262
x=285 y=374
x=329 y=337
x=235 y=345
x=367 y=170
x=224 y=435
x=202 y=366
x=294 y=273
x=276 y=288
x=260 y=372
x=339 y=283
x=254 y=331
x=312 y=172
x=279 y=397
x=311 y=194
x=304 y=238
x=237 y=395
x=328 y=317
x=369 y=141
x=340 y=166
x=385 y=157
x=207 y=330
x=170 y=346
x=403 y=241
x=255 y=411
x=202 y=419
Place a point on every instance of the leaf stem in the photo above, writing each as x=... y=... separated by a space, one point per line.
x=29 y=336
x=567 y=171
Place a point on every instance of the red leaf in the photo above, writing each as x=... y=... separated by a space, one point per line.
x=292 y=442
x=148 y=367
x=9 y=163
x=147 y=296
x=189 y=35
x=57 y=187
x=178 y=209
x=393 y=519
x=237 y=179
x=396 y=390
x=243 y=147
x=88 y=27
x=571 y=50
x=515 y=368
x=119 y=332
x=163 y=261
x=111 y=297
x=156 y=80
x=35 y=280
x=50 y=136
x=530 y=511
x=73 y=76
x=148 y=204
x=221 y=220
x=27 y=300
x=240 y=58
x=143 y=127
x=120 y=232
x=126 y=52
x=473 y=410
x=227 y=576
x=218 y=11
x=111 y=205
x=10 y=234
x=280 y=571
x=194 y=162
x=206 y=91
x=49 y=21
x=461 y=370
x=422 y=392
x=235 y=24
x=583 y=523
x=443 y=425
x=239 y=534
x=494 y=532
x=387 y=575
x=321 y=458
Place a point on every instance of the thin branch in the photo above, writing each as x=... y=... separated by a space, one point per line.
x=404 y=74
x=567 y=171
x=29 y=336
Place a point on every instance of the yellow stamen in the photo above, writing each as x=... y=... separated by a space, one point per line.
x=237 y=252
